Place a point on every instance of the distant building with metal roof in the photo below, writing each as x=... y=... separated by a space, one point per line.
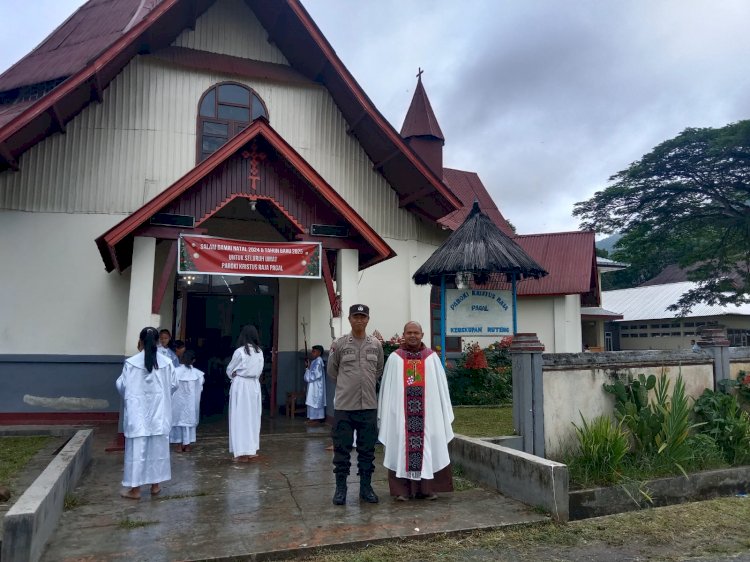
x=647 y=322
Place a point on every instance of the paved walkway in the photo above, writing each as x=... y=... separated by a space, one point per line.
x=279 y=505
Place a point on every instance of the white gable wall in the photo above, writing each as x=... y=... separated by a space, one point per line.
x=230 y=27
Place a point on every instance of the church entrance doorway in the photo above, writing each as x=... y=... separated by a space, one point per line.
x=210 y=311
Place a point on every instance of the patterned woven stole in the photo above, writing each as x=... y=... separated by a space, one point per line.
x=414 y=408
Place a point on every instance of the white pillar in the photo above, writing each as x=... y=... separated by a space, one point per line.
x=347 y=284
x=141 y=292
x=419 y=295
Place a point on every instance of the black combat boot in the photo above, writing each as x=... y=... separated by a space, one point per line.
x=339 y=496
x=365 y=489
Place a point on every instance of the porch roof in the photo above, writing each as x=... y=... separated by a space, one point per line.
x=114 y=243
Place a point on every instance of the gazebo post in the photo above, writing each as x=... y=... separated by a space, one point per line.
x=442 y=319
x=515 y=315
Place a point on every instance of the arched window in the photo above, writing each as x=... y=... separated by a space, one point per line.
x=225 y=110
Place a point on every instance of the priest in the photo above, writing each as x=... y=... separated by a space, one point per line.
x=415 y=416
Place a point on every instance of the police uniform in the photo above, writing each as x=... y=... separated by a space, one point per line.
x=355 y=365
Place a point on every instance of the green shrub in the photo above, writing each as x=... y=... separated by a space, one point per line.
x=632 y=408
x=602 y=446
x=674 y=430
x=726 y=423
x=482 y=386
x=707 y=454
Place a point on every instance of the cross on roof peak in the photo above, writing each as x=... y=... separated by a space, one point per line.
x=419 y=74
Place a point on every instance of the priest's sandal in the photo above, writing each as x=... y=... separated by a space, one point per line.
x=366 y=492
x=339 y=497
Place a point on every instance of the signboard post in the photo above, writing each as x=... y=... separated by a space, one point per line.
x=208 y=255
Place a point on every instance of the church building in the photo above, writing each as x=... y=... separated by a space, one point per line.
x=198 y=165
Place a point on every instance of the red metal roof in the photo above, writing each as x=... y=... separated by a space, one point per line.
x=123 y=232
x=569 y=259
x=469 y=188
x=420 y=120
x=79 y=39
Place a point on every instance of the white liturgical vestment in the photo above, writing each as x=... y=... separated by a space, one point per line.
x=438 y=416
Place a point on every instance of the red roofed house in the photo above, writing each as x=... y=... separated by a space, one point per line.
x=138 y=124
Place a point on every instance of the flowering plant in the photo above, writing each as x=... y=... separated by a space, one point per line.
x=475 y=358
x=481 y=376
x=743 y=385
x=389 y=346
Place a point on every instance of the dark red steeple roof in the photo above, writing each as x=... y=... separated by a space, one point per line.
x=420 y=120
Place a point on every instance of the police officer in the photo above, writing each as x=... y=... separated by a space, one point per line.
x=355 y=364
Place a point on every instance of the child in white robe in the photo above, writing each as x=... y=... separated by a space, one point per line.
x=146 y=385
x=186 y=403
x=315 y=399
x=166 y=347
x=245 y=403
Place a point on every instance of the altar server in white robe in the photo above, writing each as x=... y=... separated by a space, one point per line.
x=414 y=417
x=186 y=403
x=146 y=385
x=316 y=387
x=245 y=404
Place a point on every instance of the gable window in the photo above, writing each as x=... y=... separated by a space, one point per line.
x=225 y=110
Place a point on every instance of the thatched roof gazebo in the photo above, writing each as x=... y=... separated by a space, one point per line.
x=477 y=248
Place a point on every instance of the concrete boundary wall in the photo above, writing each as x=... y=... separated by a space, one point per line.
x=573 y=386
x=739 y=360
x=32 y=519
x=521 y=476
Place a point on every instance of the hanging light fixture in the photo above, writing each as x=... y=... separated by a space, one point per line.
x=462 y=279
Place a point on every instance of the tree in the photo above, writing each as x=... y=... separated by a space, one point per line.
x=687 y=202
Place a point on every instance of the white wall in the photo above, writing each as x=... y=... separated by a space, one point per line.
x=388 y=289
x=55 y=296
x=556 y=320
x=570 y=394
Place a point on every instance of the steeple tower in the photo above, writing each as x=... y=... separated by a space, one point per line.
x=421 y=130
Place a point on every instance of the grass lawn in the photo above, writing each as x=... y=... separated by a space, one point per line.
x=15 y=452
x=711 y=530
x=483 y=422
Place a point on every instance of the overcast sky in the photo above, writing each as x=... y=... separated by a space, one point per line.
x=544 y=100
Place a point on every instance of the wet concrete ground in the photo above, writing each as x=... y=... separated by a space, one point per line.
x=278 y=505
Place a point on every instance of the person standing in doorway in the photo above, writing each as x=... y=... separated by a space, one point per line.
x=355 y=364
x=245 y=404
x=316 y=388
x=415 y=416
x=166 y=347
x=146 y=385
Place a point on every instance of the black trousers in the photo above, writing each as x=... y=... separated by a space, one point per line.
x=345 y=422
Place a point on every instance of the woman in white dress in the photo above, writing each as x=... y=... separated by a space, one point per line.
x=146 y=385
x=186 y=403
x=245 y=403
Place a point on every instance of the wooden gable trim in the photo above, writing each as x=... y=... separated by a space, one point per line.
x=259 y=127
x=170 y=266
x=237 y=66
x=333 y=300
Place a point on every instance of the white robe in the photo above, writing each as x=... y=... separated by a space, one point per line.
x=147 y=419
x=245 y=404
x=438 y=417
x=186 y=405
x=316 y=390
x=169 y=354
